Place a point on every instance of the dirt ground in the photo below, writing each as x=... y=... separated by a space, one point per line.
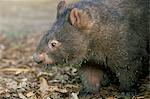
x=21 y=78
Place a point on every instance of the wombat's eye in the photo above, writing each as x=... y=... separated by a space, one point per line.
x=54 y=44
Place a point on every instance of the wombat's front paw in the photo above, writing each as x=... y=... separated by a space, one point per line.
x=126 y=95
x=86 y=93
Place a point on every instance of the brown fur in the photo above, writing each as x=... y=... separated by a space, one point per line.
x=113 y=34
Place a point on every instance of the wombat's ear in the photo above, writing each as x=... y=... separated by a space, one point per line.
x=60 y=7
x=80 y=18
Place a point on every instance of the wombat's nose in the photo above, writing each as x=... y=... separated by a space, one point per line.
x=38 y=58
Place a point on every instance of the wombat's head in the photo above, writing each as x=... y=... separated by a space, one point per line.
x=65 y=42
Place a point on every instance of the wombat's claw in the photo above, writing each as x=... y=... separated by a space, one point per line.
x=84 y=93
x=126 y=95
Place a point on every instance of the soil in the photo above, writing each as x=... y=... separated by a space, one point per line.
x=22 y=78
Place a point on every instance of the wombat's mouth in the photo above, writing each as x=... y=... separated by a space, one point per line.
x=42 y=59
x=37 y=59
x=47 y=66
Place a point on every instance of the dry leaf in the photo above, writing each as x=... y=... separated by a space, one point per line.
x=22 y=96
x=17 y=70
x=56 y=89
x=4 y=91
x=74 y=96
x=44 y=87
x=111 y=98
x=30 y=94
x=72 y=86
x=139 y=97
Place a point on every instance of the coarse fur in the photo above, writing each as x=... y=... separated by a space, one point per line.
x=112 y=34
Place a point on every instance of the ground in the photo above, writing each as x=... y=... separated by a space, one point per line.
x=21 y=27
x=21 y=78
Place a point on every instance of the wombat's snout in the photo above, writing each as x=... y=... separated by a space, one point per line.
x=38 y=58
x=42 y=58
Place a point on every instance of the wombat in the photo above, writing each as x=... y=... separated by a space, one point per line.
x=108 y=34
